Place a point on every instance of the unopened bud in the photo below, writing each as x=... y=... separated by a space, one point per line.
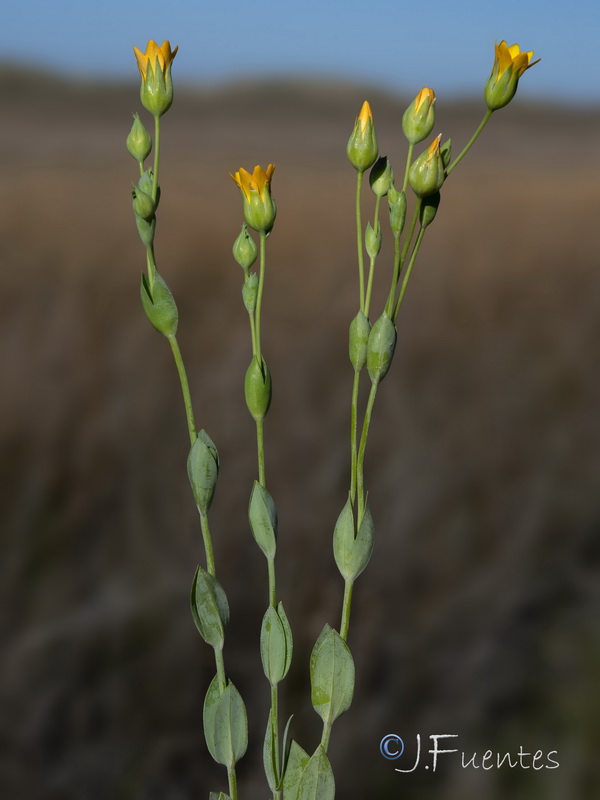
x=360 y=327
x=245 y=251
x=249 y=292
x=257 y=389
x=373 y=240
x=397 y=211
x=138 y=141
x=418 y=119
x=381 y=177
x=380 y=348
x=426 y=174
x=362 y=147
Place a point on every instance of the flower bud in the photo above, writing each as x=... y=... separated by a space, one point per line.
x=203 y=470
x=362 y=147
x=138 y=141
x=257 y=389
x=156 y=90
x=426 y=174
x=373 y=240
x=360 y=327
x=146 y=229
x=428 y=210
x=419 y=118
x=397 y=204
x=159 y=305
x=245 y=251
x=249 y=292
x=380 y=348
x=143 y=204
x=381 y=177
x=509 y=64
x=259 y=207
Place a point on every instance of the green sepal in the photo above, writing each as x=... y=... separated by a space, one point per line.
x=208 y=715
x=296 y=764
x=203 y=470
x=317 y=782
x=373 y=240
x=230 y=727
x=429 y=208
x=258 y=388
x=360 y=327
x=250 y=292
x=352 y=552
x=380 y=348
x=263 y=519
x=244 y=249
x=397 y=205
x=159 y=305
x=275 y=644
x=146 y=230
x=210 y=608
x=331 y=675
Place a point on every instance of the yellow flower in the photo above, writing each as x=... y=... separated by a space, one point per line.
x=156 y=91
x=418 y=119
x=259 y=206
x=362 y=148
x=509 y=64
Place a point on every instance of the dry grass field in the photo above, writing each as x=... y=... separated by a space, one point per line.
x=478 y=614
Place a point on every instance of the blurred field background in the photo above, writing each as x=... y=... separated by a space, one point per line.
x=478 y=614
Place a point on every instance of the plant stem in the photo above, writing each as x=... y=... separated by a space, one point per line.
x=411 y=147
x=346 y=608
x=156 y=157
x=232 y=783
x=372 y=261
x=354 y=434
x=208 y=548
x=409 y=270
x=361 y=453
x=260 y=449
x=399 y=260
x=359 y=242
x=261 y=284
x=470 y=143
x=185 y=387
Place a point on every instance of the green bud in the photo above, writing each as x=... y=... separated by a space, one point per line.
x=397 y=212
x=373 y=240
x=156 y=90
x=143 y=204
x=275 y=644
x=249 y=292
x=419 y=118
x=245 y=251
x=138 y=141
x=362 y=147
x=203 y=470
x=352 y=550
x=257 y=389
x=360 y=327
x=381 y=177
x=428 y=210
x=426 y=174
x=380 y=348
x=159 y=305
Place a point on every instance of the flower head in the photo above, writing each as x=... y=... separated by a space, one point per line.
x=259 y=206
x=155 y=68
x=362 y=148
x=509 y=64
x=418 y=119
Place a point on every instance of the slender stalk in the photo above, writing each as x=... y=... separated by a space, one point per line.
x=233 y=793
x=185 y=387
x=325 y=736
x=359 y=242
x=361 y=452
x=156 y=157
x=261 y=285
x=372 y=261
x=272 y=583
x=354 y=434
x=346 y=608
x=399 y=259
x=470 y=143
x=208 y=548
x=409 y=270
x=411 y=147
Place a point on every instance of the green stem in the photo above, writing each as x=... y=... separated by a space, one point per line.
x=325 y=736
x=470 y=143
x=156 y=157
x=208 y=548
x=409 y=155
x=361 y=453
x=185 y=387
x=233 y=793
x=261 y=285
x=359 y=242
x=272 y=582
x=354 y=434
x=409 y=270
x=260 y=449
x=372 y=261
x=399 y=259
x=346 y=608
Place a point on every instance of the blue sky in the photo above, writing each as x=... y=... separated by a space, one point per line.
x=447 y=44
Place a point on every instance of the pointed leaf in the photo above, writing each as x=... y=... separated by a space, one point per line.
x=289 y=640
x=210 y=608
x=317 y=782
x=231 y=727
x=263 y=519
x=270 y=754
x=331 y=676
x=272 y=646
x=203 y=470
x=296 y=763
x=208 y=715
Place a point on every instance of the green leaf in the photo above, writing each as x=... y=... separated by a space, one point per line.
x=208 y=715
x=272 y=646
x=263 y=519
x=203 y=470
x=331 y=676
x=296 y=763
x=210 y=608
x=317 y=782
x=230 y=727
x=270 y=754
x=289 y=640
x=352 y=554
x=159 y=305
